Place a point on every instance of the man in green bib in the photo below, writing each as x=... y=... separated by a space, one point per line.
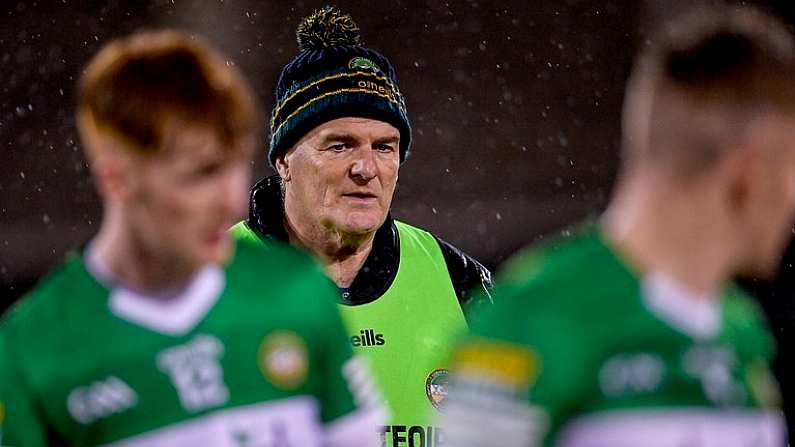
x=339 y=133
x=157 y=333
x=630 y=333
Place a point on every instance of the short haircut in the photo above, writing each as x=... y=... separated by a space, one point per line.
x=136 y=88
x=699 y=84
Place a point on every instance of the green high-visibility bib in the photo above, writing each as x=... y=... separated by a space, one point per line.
x=406 y=334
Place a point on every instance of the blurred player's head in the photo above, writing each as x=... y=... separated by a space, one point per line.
x=339 y=130
x=169 y=128
x=711 y=104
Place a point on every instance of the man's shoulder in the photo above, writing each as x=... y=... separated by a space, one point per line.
x=271 y=258
x=577 y=276
x=279 y=273
x=738 y=304
x=570 y=286
x=48 y=304
x=451 y=253
x=745 y=323
x=471 y=280
x=572 y=255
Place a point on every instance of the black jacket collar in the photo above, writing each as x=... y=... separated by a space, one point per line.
x=266 y=217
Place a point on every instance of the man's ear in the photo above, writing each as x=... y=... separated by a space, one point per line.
x=111 y=173
x=283 y=166
x=744 y=170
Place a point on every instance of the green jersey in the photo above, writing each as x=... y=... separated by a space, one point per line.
x=251 y=354
x=581 y=351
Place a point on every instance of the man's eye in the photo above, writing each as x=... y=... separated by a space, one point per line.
x=385 y=148
x=337 y=147
x=206 y=170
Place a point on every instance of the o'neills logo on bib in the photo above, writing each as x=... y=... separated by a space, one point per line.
x=368 y=337
x=436 y=387
x=283 y=359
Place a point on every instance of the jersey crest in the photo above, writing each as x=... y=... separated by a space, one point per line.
x=283 y=359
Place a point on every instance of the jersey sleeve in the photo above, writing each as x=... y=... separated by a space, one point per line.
x=350 y=401
x=20 y=425
x=472 y=281
x=517 y=376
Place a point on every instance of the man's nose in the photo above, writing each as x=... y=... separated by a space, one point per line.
x=364 y=164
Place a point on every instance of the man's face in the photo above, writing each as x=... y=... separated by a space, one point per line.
x=182 y=201
x=342 y=175
x=771 y=211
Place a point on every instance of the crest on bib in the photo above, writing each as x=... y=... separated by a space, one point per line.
x=436 y=387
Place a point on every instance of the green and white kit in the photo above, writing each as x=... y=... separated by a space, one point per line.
x=251 y=354
x=581 y=351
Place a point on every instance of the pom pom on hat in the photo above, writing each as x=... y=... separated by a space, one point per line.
x=334 y=76
x=325 y=28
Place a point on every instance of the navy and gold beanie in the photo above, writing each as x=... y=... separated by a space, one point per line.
x=332 y=77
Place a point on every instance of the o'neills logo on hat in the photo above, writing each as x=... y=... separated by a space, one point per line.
x=362 y=62
x=283 y=359
x=436 y=386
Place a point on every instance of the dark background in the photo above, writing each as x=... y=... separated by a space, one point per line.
x=515 y=106
x=515 y=109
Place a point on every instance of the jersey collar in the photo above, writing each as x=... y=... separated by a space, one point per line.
x=698 y=316
x=175 y=313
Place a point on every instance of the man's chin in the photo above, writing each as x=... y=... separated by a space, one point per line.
x=355 y=222
x=362 y=225
x=764 y=269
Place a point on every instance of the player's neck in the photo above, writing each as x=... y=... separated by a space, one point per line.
x=342 y=254
x=669 y=230
x=132 y=265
